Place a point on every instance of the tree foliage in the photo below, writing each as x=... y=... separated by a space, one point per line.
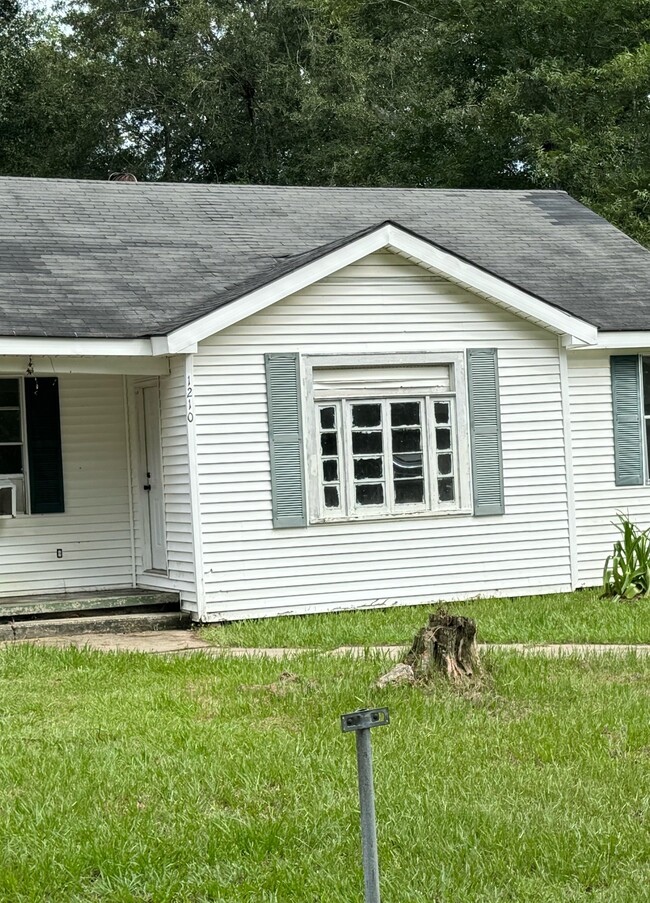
x=456 y=93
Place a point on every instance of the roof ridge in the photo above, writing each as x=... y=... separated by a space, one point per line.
x=239 y=186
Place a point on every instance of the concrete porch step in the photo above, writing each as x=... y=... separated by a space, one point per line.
x=62 y=603
x=136 y=622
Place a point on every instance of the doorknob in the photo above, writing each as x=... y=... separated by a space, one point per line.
x=147 y=487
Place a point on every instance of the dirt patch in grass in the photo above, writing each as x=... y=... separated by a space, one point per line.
x=286 y=683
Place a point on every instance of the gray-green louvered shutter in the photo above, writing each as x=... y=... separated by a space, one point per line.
x=628 y=422
x=285 y=436
x=485 y=430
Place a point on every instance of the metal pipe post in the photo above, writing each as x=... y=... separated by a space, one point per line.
x=368 y=823
x=361 y=723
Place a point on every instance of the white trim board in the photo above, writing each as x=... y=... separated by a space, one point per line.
x=44 y=365
x=398 y=240
x=195 y=490
x=76 y=346
x=635 y=340
x=153 y=347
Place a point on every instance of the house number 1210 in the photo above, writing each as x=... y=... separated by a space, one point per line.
x=189 y=395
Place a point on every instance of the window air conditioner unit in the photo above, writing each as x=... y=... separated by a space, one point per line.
x=7 y=499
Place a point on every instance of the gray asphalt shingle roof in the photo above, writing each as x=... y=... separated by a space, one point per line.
x=115 y=259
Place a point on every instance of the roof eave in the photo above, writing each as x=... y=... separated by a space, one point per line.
x=78 y=345
x=630 y=340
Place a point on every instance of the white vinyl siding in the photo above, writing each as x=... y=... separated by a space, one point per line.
x=178 y=518
x=382 y=305
x=178 y=525
x=597 y=497
x=94 y=533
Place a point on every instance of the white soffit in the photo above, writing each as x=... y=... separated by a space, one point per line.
x=395 y=239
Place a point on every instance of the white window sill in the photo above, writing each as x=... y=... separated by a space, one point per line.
x=407 y=515
x=22 y=515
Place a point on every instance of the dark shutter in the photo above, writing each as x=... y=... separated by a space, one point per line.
x=485 y=430
x=285 y=438
x=626 y=408
x=44 y=445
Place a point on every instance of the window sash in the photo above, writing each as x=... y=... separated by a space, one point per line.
x=348 y=506
x=19 y=478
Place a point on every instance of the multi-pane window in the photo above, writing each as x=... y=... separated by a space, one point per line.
x=12 y=456
x=386 y=456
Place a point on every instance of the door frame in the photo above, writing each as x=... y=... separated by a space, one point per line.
x=142 y=497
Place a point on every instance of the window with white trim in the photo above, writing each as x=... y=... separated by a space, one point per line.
x=12 y=438
x=387 y=441
x=31 y=465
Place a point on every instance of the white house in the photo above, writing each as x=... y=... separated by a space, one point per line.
x=286 y=400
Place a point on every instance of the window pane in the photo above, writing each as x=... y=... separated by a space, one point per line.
x=331 y=497
x=446 y=489
x=370 y=493
x=328 y=418
x=331 y=471
x=444 y=464
x=9 y=394
x=441 y=411
x=406 y=441
x=368 y=468
x=11 y=459
x=443 y=438
x=10 y=426
x=407 y=465
x=405 y=413
x=328 y=444
x=409 y=492
x=367 y=443
x=366 y=415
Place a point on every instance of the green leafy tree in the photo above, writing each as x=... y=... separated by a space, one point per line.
x=456 y=93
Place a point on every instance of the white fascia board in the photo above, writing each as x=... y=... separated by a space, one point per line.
x=58 y=364
x=477 y=280
x=394 y=238
x=42 y=345
x=621 y=341
x=274 y=291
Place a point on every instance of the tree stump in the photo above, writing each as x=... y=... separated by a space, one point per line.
x=447 y=644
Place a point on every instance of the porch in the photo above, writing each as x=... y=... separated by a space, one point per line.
x=126 y=600
x=119 y=534
x=64 y=614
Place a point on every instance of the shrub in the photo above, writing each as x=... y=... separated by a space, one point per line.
x=626 y=574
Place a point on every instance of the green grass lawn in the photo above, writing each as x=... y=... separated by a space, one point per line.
x=138 y=778
x=581 y=617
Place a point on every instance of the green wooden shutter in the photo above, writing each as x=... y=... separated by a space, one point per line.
x=485 y=430
x=44 y=445
x=285 y=436
x=628 y=422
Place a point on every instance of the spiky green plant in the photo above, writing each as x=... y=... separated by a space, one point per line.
x=626 y=574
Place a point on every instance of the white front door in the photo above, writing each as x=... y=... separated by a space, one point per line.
x=153 y=502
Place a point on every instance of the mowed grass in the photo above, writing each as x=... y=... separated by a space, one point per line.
x=137 y=778
x=580 y=617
